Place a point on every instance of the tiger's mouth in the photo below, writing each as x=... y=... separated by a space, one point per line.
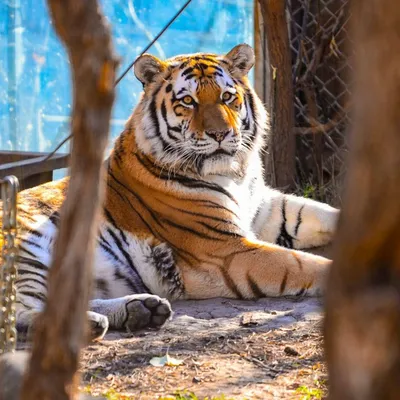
x=221 y=151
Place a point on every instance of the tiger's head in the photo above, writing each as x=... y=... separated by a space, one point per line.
x=198 y=112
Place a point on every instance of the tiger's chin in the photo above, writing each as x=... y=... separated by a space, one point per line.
x=219 y=164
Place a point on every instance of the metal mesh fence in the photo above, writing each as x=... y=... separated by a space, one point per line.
x=319 y=43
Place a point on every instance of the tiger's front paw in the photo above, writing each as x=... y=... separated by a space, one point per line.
x=146 y=311
x=98 y=325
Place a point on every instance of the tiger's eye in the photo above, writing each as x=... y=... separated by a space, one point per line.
x=226 y=96
x=188 y=100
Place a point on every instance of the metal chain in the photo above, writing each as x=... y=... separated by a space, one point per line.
x=8 y=276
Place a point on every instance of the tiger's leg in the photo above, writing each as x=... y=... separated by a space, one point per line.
x=243 y=268
x=294 y=222
x=98 y=323
x=130 y=312
x=133 y=312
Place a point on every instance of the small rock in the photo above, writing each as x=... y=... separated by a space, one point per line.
x=290 y=351
x=248 y=320
x=196 y=379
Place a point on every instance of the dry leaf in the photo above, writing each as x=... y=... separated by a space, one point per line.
x=166 y=360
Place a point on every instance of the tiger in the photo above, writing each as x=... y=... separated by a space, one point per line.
x=186 y=213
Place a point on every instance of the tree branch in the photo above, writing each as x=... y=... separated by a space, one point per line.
x=60 y=330
x=363 y=301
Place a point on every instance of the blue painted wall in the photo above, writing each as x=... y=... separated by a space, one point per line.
x=35 y=91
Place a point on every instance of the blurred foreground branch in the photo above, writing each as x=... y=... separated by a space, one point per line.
x=362 y=328
x=60 y=331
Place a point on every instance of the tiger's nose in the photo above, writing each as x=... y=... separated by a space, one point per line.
x=218 y=136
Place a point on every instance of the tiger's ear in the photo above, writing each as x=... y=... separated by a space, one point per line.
x=242 y=59
x=147 y=67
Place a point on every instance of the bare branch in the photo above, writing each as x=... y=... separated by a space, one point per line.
x=60 y=330
x=363 y=300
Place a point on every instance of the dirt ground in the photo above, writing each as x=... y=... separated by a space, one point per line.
x=231 y=349
x=265 y=349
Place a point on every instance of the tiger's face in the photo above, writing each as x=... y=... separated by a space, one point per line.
x=198 y=112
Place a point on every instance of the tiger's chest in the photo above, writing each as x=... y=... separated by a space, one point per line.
x=248 y=193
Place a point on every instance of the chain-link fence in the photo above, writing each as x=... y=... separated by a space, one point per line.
x=319 y=44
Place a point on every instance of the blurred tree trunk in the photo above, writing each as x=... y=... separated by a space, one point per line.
x=280 y=163
x=362 y=327
x=60 y=330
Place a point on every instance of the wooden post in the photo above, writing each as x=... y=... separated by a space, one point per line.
x=60 y=330
x=280 y=166
x=362 y=327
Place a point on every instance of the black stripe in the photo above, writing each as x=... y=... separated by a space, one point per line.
x=28 y=308
x=154 y=117
x=149 y=227
x=130 y=204
x=205 y=58
x=35 y=233
x=231 y=284
x=107 y=248
x=55 y=218
x=300 y=292
x=112 y=221
x=212 y=204
x=196 y=214
x=23 y=271
x=118 y=275
x=121 y=249
x=19 y=281
x=36 y=295
x=187 y=71
x=32 y=243
x=284 y=239
x=27 y=214
x=299 y=221
x=44 y=207
x=102 y=285
x=193 y=231
x=32 y=263
x=26 y=286
x=284 y=282
x=152 y=231
x=257 y=292
x=249 y=97
x=26 y=251
x=169 y=128
x=183 y=180
x=139 y=199
x=222 y=232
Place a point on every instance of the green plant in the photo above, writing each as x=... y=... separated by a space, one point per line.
x=310 y=393
x=310 y=191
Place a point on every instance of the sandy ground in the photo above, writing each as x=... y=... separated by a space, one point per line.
x=270 y=348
